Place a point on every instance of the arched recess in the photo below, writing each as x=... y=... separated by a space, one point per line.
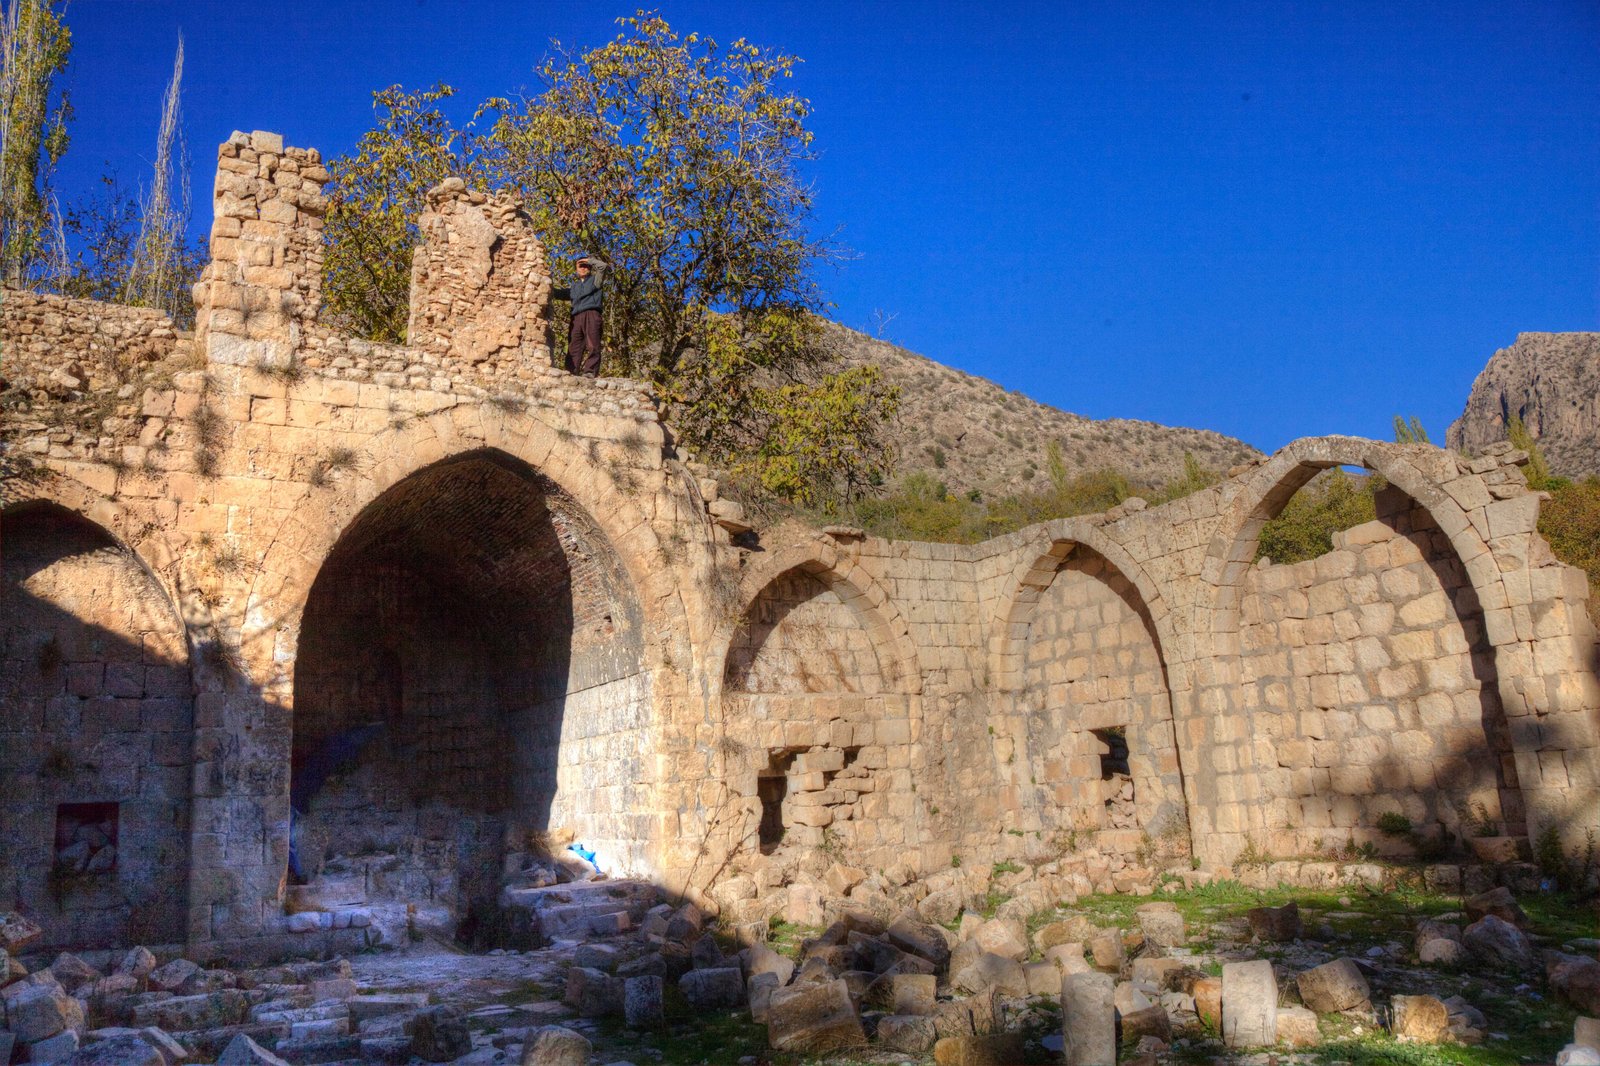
x=98 y=721
x=470 y=678
x=1358 y=684
x=1085 y=726
x=821 y=710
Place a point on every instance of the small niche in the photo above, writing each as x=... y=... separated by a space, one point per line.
x=1116 y=778
x=772 y=788
x=86 y=838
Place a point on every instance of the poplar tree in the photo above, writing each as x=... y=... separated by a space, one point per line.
x=34 y=46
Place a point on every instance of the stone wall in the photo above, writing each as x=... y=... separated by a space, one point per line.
x=1094 y=707
x=96 y=736
x=546 y=610
x=1369 y=672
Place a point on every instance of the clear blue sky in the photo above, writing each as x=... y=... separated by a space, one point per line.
x=1273 y=220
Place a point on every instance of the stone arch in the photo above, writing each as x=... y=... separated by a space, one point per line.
x=315 y=518
x=1051 y=543
x=854 y=586
x=819 y=691
x=100 y=712
x=469 y=681
x=1371 y=690
x=315 y=521
x=1085 y=727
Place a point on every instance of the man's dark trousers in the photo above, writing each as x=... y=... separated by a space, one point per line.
x=583 y=344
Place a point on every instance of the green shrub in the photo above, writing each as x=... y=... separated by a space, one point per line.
x=1327 y=504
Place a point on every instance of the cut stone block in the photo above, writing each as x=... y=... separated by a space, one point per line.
x=813 y=1017
x=1089 y=1019
x=1334 y=986
x=1249 y=1004
x=555 y=1045
x=642 y=1002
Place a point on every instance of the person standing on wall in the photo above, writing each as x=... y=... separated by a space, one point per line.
x=583 y=342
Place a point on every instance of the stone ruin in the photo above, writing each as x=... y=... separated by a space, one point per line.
x=309 y=642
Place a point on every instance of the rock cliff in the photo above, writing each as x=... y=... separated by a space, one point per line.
x=1551 y=381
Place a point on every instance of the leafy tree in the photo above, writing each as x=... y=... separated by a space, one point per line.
x=34 y=45
x=675 y=160
x=1304 y=529
x=374 y=199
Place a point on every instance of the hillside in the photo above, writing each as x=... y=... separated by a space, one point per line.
x=974 y=434
x=1550 y=380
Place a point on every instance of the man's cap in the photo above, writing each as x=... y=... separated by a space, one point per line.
x=581 y=257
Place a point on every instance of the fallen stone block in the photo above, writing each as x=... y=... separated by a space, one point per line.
x=942 y=907
x=1150 y=1021
x=180 y=1013
x=314 y=1050
x=812 y=1018
x=989 y=970
x=1161 y=924
x=1441 y=952
x=1068 y=958
x=1276 y=925
x=1154 y=971
x=990 y=1049
x=242 y=1051
x=764 y=960
x=117 y=1051
x=642 y=1002
x=596 y=956
x=1578 y=1055
x=1335 y=986
x=592 y=993
x=55 y=1048
x=172 y=1051
x=1088 y=1019
x=1207 y=992
x=38 y=1011
x=1106 y=950
x=386 y=1050
x=555 y=1045
x=911 y=1033
x=1586 y=1031
x=1249 y=1004
x=1000 y=936
x=1297 y=1027
x=1419 y=1019
x=1043 y=978
x=73 y=972
x=918 y=938
x=758 y=989
x=912 y=994
x=1492 y=941
x=1575 y=978
x=440 y=1034
x=707 y=990
x=171 y=977
x=1498 y=902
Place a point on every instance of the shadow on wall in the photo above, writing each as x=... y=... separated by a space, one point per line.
x=96 y=738
x=467 y=647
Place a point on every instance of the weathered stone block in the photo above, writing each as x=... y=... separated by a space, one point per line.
x=1089 y=1021
x=1249 y=1004
x=813 y=1018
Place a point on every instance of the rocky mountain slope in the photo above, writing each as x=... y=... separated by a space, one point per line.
x=1550 y=380
x=973 y=434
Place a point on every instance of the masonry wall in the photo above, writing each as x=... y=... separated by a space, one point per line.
x=651 y=663
x=1093 y=681
x=96 y=737
x=819 y=736
x=1369 y=671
